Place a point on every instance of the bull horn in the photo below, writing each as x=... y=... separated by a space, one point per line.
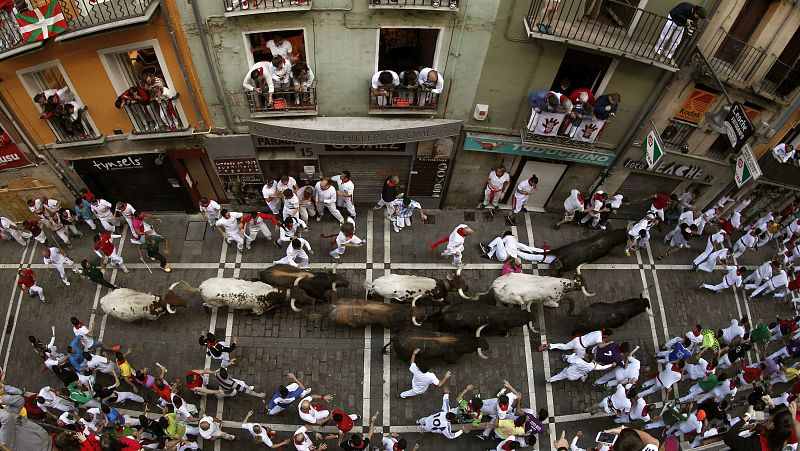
x=461 y=293
x=482 y=355
x=582 y=281
x=291 y=303
x=458 y=271
x=478 y=331
x=299 y=278
x=170 y=309
x=413 y=306
x=532 y=328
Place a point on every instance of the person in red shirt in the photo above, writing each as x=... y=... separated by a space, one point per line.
x=660 y=203
x=255 y=224
x=750 y=374
x=105 y=249
x=35 y=230
x=87 y=195
x=27 y=281
x=343 y=421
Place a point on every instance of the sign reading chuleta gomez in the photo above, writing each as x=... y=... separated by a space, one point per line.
x=335 y=132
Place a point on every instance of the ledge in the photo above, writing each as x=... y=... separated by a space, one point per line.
x=166 y=135
x=121 y=23
x=401 y=112
x=21 y=49
x=284 y=113
x=443 y=7
x=89 y=142
x=265 y=10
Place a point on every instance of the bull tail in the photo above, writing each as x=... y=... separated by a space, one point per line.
x=386 y=348
x=571 y=307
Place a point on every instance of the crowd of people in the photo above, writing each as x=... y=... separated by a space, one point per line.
x=60 y=108
x=284 y=75
x=97 y=379
x=411 y=87
x=156 y=110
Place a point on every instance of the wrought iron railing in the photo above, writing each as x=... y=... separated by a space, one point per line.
x=676 y=134
x=781 y=80
x=253 y=5
x=10 y=36
x=423 y=3
x=283 y=100
x=67 y=130
x=732 y=58
x=399 y=99
x=83 y=14
x=617 y=26
x=155 y=117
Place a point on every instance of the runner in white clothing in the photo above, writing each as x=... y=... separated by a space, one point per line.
x=578 y=368
x=524 y=191
x=777 y=284
x=289 y=230
x=455 y=243
x=127 y=211
x=210 y=210
x=261 y=434
x=344 y=194
x=291 y=204
x=403 y=210
x=639 y=234
x=747 y=241
x=56 y=258
x=580 y=344
x=732 y=278
x=296 y=254
x=761 y=274
x=11 y=229
x=715 y=242
x=507 y=247
x=104 y=212
x=422 y=378
x=229 y=223
x=271 y=196
x=442 y=421
x=496 y=186
x=307 y=202
x=616 y=404
x=346 y=238
x=325 y=198
x=715 y=257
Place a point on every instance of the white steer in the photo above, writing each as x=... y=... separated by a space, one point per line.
x=405 y=288
x=258 y=297
x=130 y=305
x=526 y=289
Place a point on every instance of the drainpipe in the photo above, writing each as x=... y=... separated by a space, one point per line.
x=218 y=91
x=182 y=66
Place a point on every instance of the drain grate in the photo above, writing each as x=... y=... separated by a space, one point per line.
x=469 y=216
x=195 y=231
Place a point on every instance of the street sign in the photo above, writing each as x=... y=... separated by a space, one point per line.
x=746 y=167
x=653 y=149
x=738 y=126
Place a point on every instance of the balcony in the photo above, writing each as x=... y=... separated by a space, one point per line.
x=556 y=130
x=404 y=101
x=156 y=120
x=616 y=28
x=732 y=59
x=676 y=134
x=245 y=7
x=86 y=17
x=71 y=133
x=285 y=102
x=443 y=5
x=781 y=81
x=11 y=42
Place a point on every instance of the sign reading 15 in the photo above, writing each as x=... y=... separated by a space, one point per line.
x=306 y=151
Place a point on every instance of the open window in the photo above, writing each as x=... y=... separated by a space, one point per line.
x=58 y=103
x=401 y=49
x=263 y=43
x=582 y=69
x=145 y=88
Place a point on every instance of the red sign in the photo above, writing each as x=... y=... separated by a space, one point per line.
x=10 y=155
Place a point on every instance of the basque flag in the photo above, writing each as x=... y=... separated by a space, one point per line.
x=41 y=23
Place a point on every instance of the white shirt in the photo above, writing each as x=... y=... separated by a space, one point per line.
x=524 y=189
x=263 y=437
x=645 y=225
x=284 y=50
x=780 y=153
x=438 y=422
x=293 y=254
x=616 y=201
x=718 y=238
x=263 y=67
x=290 y=184
x=312 y=416
x=591 y=339
x=456 y=242
x=280 y=74
x=496 y=183
x=103 y=209
x=100 y=363
x=211 y=209
x=270 y=192
x=306 y=81
x=597 y=201
x=230 y=225
x=306 y=444
x=52 y=205
x=128 y=211
x=748 y=240
x=345 y=187
x=742 y=204
x=697 y=370
x=632 y=369
x=574 y=202
x=376 y=84
x=56 y=258
x=637 y=411
x=326 y=196
x=421 y=381
x=731 y=332
x=619 y=400
x=6 y=223
x=691 y=424
x=83 y=331
x=290 y=206
x=423 y=78
x=213 y=429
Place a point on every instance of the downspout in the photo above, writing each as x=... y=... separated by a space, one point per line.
x=182 y=66
x=218 y=91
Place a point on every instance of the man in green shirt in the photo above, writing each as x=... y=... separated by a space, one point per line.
x=468 y=411
x=173 y=429
x=704 y=385
x=92 y=270
x=151 y=245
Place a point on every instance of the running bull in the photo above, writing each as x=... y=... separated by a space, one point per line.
x=472 y=316
x=239 y=294
x=129 y=305
x=317 y=285
x=407 y=288
x=360 y=313
x=573 y=255
x=436 y=345
x=525 y=290
x=605 y=315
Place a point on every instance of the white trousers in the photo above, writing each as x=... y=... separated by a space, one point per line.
x=17 y=236
x=274 y=205
x=236 y=237
x=116 y=260
x=671 y=32
x=573 y=345
x=108 y=223
x=60 y=268
x=321 y=206
x=491 y=197
x=718 y=287
x=738 y=249
x=37 y=290
x=40 y=237
x=123 y=396
x=594 y=215
x=288 y=261
x=703 y=256
x=306 y=211
x=400 y=222
x=260 y=229
x=340 y=249
x=347 y=203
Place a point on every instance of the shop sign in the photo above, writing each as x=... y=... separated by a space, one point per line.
x=237 y=166
x=11 y=157
x=653 y=149
x=746 y=167
x=114 y=164
x=738 y=126
x=695 y=106
x=498 y=144
x=353 y=148
x=687 y=171
x=354 y=137
x=428 y=177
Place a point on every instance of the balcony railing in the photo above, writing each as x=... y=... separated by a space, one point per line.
x=732 y=58
x=617 y=27
x=400 y=100
x=284 y=101
x=676 y=134
x=264 y=6
x=10 y=36
x=560 y=129
x=68 y=131
x=155 y=117
x=418 y=4
x=781 y=80
x=85 y=14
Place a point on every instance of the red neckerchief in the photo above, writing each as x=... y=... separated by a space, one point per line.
x=460 y=231
x=580 y=198
x=391 y=183
x=348 y=235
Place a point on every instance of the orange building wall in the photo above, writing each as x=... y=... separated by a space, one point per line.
x=84 y=68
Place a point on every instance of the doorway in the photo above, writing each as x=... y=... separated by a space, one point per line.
x=742 y=29
x=548 y=173
x=401 y=49
x=582 y=69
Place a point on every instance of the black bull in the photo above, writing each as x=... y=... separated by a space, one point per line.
x=587 y=250
x=605 y=315
x=317 y=285
x=472 y=315
x=435 y=345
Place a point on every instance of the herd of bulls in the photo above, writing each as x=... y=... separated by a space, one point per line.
x=459 y=325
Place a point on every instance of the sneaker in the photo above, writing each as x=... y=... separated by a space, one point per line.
x=167 y=269
x=335 y=256
x=481 y=206
x=627 y=252
x=126 y=270
x=44 y=301
x=247 y=245
x=694 y=267
x=213 y=228
x=377 y=207
x=511 y=221
x=276 y=244
x=541 y=28
x=318 y=218
x=66 y=282
x=483 y=248
x=396 y=229
x=603 y=227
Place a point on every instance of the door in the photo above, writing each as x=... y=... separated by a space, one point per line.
x=746 y=22
x=368 y=173
x=548 y=173
x=638 y=188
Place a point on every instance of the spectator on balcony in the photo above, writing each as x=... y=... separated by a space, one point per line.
x=72 y=119
x=583 y=107
x=163 y=101
x=409 y=79
x=682 y=17
x=302 y=79
x=564 y=85
x=431 y=82
x=606 y=106
x=382 y=83
x=279 y=70
x=547 y=13
x=258 y=78
x=230 y=4
x=547 y=101
x=783 y=152
x=281 y=47
x=61 y=95
x=132 y=95
x=150 y=81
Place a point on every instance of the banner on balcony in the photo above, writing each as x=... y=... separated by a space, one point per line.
x=548 y=124
x=695 y=106
x=588 y=130
x=42 y=23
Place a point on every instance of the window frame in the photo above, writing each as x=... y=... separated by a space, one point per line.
x=24 y=75
x=114 y=72
x=436 y=54
x=249 y=47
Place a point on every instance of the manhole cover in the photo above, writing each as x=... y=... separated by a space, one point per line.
x=430 y=219
x=196 y=231
x=469 y=216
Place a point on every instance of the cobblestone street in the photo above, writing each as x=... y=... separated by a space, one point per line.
x=349 y=363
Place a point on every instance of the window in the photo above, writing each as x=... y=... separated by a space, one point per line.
x=260 y=50
x=401 y=49
x=720 y=149
x=58 y=103
x=582 y=69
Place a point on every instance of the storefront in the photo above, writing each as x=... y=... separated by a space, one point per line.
x=149 y=181
x=577 y=168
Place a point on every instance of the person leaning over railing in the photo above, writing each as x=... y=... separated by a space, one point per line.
x=382 y=82
x=302 y=79
x=257 y=78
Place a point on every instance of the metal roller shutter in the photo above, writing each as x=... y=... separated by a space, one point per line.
x=368 y=172
x=640 y=186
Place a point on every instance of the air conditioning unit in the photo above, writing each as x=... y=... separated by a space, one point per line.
x=763 y=129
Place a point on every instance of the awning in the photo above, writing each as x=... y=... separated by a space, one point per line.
x=354 y=130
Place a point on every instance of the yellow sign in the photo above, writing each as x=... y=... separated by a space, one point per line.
x=695 y=106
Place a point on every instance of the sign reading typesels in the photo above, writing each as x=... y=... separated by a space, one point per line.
x=738 y=126
x=237 y=166
x=428 y=177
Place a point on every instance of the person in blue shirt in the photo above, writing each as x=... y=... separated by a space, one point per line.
x=112 y=415
x=606 y=106
x=83 y=210
x=75 y=353
x=612 y=353
x=680 y=351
